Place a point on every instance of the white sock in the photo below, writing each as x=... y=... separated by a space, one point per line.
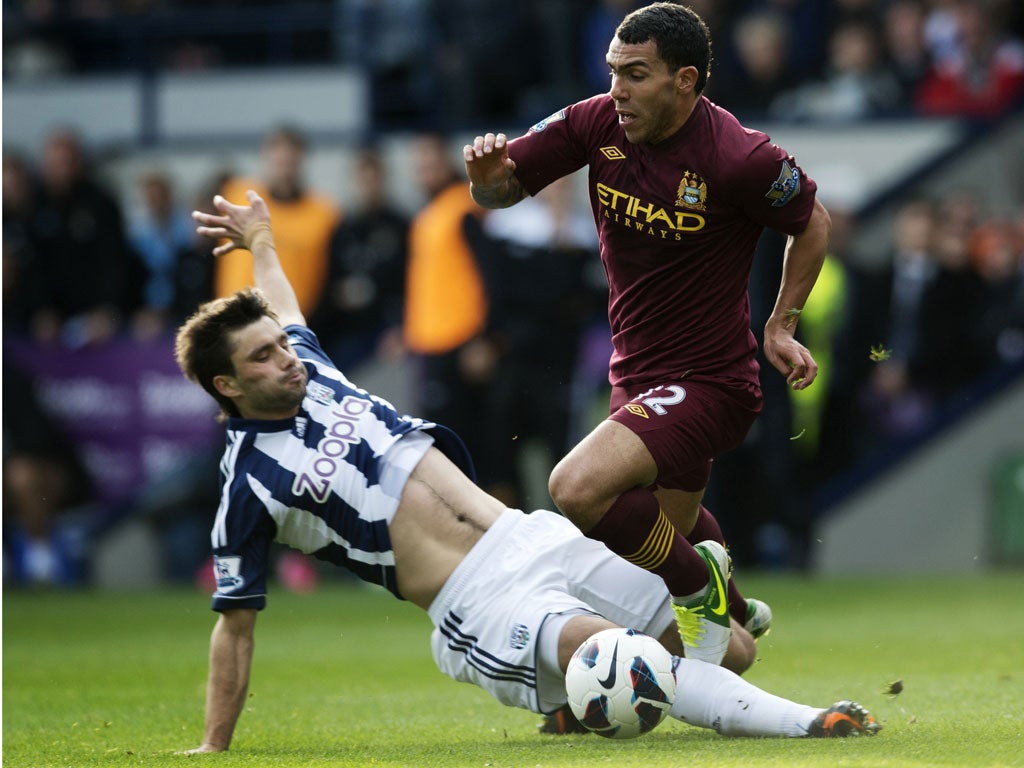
x=710 y=696
x=687 y=599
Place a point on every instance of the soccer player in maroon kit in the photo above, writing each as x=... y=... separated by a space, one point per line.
x=680 y=192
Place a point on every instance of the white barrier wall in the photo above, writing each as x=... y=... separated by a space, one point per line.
x=126 y=112
x=932 y=512
x=104 y=109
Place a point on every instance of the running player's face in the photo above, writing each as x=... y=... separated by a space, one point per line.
x=647 y=95
x=269 y=380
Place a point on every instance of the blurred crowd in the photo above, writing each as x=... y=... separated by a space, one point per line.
x=496 y=320
x=442 y=63
x=905 y=340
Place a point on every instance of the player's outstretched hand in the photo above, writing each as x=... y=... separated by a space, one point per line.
x=235 y=223
x=487 y=160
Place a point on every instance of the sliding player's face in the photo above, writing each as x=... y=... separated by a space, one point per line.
x=269 y=380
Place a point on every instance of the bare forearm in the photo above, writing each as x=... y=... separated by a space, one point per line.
x=498 y=196
x=269 y=276
x=805 y=253
x=227 y=685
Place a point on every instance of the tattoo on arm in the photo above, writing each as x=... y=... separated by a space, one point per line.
x=503 y=195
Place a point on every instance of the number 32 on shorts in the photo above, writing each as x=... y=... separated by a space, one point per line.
x=657 y=398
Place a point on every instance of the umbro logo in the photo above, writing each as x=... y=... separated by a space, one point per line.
x=613 y=153
x=637 y=410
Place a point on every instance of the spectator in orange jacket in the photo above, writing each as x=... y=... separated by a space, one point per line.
x=303 y=221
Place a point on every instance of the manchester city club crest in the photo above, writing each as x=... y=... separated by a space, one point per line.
x=692 y=192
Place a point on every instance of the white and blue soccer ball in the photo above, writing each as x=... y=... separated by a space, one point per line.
x=620 y=683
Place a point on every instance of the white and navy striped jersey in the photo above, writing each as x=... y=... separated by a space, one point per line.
x=326 y=481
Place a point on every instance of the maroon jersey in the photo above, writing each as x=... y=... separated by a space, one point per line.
x=678 y=223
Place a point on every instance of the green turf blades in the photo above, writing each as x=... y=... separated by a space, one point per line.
x=344 y=677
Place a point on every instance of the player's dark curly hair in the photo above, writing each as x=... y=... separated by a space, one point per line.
x=202 y=347
x=681 y=36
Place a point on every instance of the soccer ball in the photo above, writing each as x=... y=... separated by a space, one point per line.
x=620 y=683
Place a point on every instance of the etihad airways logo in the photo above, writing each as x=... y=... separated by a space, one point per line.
x=632 y=212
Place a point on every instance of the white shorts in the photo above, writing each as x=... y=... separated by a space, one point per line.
x=526 y=569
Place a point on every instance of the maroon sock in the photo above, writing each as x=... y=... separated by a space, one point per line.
x=737 y=604
x=707 y=527
x=636 y=529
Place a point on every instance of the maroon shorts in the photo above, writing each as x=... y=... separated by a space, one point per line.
x=685 y=425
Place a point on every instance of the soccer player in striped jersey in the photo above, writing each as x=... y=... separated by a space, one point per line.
x=680 y=192
x=316 y=463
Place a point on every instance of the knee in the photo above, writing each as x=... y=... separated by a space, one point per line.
x=575 y=494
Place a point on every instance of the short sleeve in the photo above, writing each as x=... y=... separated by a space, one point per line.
x=772 y=190
x=242 y=534
x=549 y=150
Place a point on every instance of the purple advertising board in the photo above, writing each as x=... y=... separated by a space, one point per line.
x=125 y=405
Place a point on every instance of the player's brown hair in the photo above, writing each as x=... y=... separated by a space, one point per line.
x=203 y=347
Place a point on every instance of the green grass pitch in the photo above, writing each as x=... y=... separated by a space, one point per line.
x=343 y=677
